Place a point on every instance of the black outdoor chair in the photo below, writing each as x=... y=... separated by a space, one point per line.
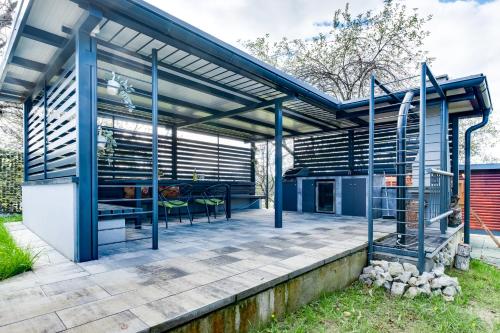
x=175 y=196
x=214 y=196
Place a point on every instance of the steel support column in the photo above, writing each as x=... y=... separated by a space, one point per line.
x=468 y=137
x=174 y=152
x=278 y=154
x=86 y=75
x=45 y=107
x=267 y=174
x=445 y=180
x=252 y=162
x=371 y=126
x=421 y=168
x=26 y=111
x=454 y=154
x=154 y=121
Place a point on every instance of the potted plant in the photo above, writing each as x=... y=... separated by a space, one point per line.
x=113 y=87
x=106 y=144
x=118 y=86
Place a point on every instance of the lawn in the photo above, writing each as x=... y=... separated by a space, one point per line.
x=11 y=218
x=13 y=259
x=360 y=309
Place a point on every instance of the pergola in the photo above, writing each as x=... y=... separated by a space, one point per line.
x=62 y=54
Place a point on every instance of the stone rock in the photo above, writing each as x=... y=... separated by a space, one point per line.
x=398 y=288
x=411 y=268
x=425 y=289
x=448 y=298
x=387 y=285
x=438 y=270
x=459 y=289
x=435 y=284
x=463 y=250
x=412 y=292
x=379 y=282
x=381 y=263
x=386 y=276
x=366 y=279
x=404 y=277
x=369 y=270
x=462 y=263
x=446 y=281
x=378 y=270
x=437 y=292
x=395 y=269
x=412 y=281
x=449 y=291
x=424 y=278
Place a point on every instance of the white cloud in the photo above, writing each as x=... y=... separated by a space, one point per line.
x=464 y=34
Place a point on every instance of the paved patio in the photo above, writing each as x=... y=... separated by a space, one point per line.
x=196 y=270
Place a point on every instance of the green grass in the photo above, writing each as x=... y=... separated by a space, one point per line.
x=360 y=309
x=11 y=218
x=13 y=259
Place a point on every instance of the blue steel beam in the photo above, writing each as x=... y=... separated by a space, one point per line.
x=26 y=110
x=278 y=155
x=174 y=152
x=421 y=170
x=444 y=195
x=238 y=111
x=19 y=82
x=154 y=194
x=43 y=36
x=454 y=154
x=29 y=64
x=86 y=76
x=371 y=125
x=468 y=138
x=436 y=85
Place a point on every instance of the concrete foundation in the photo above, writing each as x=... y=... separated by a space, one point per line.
x=273 y=303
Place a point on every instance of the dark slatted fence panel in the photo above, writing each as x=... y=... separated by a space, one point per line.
x=132 y=157
x=213 y=161
x=329 y=154
x=60 y=136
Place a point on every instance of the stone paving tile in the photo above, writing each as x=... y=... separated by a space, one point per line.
x=123 y=322
x=44 y=323
x=196 y=269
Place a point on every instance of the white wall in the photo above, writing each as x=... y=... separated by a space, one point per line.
x=49 y=210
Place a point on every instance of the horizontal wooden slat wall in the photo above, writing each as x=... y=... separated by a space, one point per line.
x=132 y=158
x=212 y=160
x=60 y=136
x=330 y=154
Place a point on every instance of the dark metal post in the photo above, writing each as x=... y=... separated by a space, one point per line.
x=278 y=154
x=252 y=162
x=45 y=106
x=371 y=126
x=174 y=152
x=468 y=134
x=86 y=74
x=154 y=120
x=350 y=151
x=444 y=195
x=267 y=174
x=454 y=154
x=26 y=111
x=421 y=169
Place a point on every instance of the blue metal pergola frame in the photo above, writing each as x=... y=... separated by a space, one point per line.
x=269 y=90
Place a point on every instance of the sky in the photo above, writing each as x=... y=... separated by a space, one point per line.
x=464 y=34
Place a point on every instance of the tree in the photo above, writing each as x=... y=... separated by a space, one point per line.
x=340 y=61
x=11 y=116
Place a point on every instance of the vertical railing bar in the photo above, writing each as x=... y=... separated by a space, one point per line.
x=278 y=185
x=421 y=171
x=444 y=164
x=267 y=174
x=371 y=125
x=154 y=120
